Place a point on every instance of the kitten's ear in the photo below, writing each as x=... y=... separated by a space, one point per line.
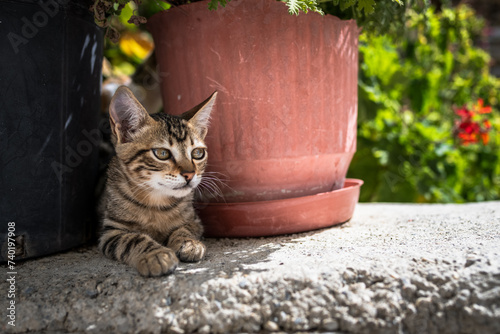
x=126 y=115
x=199 y=116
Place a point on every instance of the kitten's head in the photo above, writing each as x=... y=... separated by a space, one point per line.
x=162 y=153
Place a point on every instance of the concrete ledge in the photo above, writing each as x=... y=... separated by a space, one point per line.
x=392 y=269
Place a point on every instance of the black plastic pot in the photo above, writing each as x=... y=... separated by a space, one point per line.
x=50 y=72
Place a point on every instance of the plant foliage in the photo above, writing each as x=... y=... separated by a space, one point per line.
x=366 y=7
x=378 y=16
x=296 y=6
x=214 y=4
x=428 y=128
x=366 y=12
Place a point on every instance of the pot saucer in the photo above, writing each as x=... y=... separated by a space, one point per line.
x=292 y=215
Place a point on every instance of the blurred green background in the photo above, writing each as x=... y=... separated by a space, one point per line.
x=426 y=132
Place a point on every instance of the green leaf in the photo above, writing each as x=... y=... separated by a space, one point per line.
x=214 y=4
x=295 y=6
x=367 y=6
x=346 y=4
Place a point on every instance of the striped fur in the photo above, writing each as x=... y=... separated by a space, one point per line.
x=148 y=219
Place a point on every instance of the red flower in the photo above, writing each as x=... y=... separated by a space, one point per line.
x=464 y=113
x=480 y=108
x=470 y=129
x=487 y=124
x=485 y=137
x=468 y=138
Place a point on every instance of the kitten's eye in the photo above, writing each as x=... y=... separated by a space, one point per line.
x=198 y=153
x=162 y=153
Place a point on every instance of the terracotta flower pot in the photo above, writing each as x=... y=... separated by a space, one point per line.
x=285 y=119
x=283 y=216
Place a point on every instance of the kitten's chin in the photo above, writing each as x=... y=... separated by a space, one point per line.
x=168 y=192
x=183 y=192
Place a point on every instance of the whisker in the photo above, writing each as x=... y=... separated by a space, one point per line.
x=213 y=185
x=203 y=196
x=197 y=193
x=210 y=184
x=220 y=182
x=205 y=186
x=213 y=191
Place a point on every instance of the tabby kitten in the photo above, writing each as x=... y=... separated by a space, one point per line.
x=147 y=207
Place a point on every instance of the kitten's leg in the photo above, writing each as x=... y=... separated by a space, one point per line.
x=186 y=244
x=137 y=250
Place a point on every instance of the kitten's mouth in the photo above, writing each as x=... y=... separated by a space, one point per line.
x=175 y=188
x=184 y=187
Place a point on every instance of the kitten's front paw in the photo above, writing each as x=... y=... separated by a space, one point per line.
x=191 y=251
x=157 y=263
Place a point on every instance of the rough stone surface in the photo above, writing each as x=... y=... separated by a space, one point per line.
x=391 y=269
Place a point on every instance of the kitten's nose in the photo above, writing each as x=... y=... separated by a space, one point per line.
x=187 y=175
